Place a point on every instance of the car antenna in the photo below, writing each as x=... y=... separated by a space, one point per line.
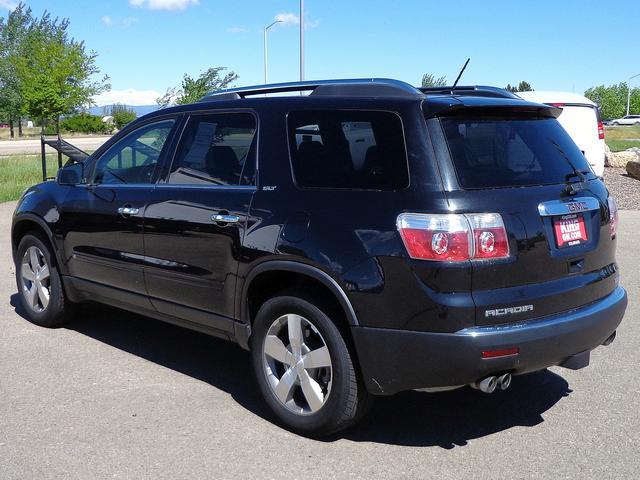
x=459 y=75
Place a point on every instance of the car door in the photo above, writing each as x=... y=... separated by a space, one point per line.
x=196 y=218
x=101 y=221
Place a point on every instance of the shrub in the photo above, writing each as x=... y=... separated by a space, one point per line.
x=122 y=115
x=84 y=123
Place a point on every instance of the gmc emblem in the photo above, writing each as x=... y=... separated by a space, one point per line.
x=577 y=206
x=498 y=312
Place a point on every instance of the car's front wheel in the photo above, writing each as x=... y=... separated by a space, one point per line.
x=39 y=284
x=304 y=368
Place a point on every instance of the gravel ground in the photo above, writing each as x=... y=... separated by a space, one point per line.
x=625 y=189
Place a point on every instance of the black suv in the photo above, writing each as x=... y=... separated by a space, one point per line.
x=364 y=239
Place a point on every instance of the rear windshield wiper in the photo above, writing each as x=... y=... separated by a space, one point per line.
x=572 y=187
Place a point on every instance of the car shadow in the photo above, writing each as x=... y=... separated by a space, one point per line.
x=446 y=419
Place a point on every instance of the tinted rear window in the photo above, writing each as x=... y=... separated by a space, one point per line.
x=506 y=152
x=348 y=149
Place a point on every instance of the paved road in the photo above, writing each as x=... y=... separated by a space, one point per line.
x=119 y=396
x=14 y=147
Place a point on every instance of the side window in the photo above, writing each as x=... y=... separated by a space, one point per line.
x=134 y=158
x=216 y=149
x=348 y=149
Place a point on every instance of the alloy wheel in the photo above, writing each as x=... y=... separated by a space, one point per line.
x=35 y=279
x=297 y=364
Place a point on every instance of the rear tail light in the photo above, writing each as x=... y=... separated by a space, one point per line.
x=489 y=235
x=613 y=216
x=600 y=131
x=453 y=237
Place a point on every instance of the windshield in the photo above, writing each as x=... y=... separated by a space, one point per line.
x=490 y=152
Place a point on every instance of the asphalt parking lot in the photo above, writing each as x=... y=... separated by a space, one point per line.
x=115 y=395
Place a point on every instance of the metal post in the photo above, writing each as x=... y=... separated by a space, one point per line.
x=44 y=158
x=266 y=51
x=629 y=91
x=301 y=40
x=59 y=152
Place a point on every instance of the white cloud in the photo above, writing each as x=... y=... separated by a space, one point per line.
x=125 y=22
x=128 y=21
x=129 y=96
x=311 y=24
x=292 y=19
x=163 y=4
x=287 y=18
x=8 y=4
x=237 y=30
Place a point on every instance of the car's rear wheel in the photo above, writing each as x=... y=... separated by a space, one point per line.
x=39 y=284
x=304 y=368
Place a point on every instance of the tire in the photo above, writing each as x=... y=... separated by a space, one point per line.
x=35 y=266
x=615 y=124
x=335 y=398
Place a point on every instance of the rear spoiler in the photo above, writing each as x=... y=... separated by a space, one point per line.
x=487 y=107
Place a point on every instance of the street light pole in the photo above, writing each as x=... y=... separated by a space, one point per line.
x=266 y=52
x=629 y=91
x=301 y=40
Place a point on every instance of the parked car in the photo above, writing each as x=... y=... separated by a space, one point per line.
x=4 y=125
x=626 y=120
x=366 y=239
x=580 y=117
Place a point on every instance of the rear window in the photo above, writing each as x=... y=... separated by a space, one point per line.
x=507 y=152
x=348 y=149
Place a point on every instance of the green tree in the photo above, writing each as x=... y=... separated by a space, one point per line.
x=55 y=73
x=13 y=31
x=612 y=100
x=193 y=89
x=122 y=115
x=521 y=87
x=428 y=80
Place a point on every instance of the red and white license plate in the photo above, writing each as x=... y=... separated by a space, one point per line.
x=570 y=230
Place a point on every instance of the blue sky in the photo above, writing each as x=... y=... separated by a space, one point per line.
x=146 y=45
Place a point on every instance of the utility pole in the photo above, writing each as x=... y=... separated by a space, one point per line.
x=266 y=51
x=301 y=40
x=629 y=91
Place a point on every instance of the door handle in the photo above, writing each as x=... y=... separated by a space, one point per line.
x=222 y=218
x=128 y=211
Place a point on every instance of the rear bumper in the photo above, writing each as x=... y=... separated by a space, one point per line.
x=396 y=360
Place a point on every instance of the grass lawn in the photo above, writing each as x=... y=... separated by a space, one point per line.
x=17 y=172
x=621 y=138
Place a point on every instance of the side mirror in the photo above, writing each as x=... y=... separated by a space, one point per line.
x=70 y=174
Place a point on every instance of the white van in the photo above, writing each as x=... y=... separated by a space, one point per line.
x=581 y=119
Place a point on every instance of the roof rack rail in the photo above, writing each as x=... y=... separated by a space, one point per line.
x=369 y=87
x=469 y=90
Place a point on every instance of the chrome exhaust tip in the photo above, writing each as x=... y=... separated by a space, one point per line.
x=504 y=381
x=486 y=385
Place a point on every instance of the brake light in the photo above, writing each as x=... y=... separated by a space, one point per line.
x=613 y=216
x=558 y=105
x=453 y=237
x=600 y=131
x=435 y=237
